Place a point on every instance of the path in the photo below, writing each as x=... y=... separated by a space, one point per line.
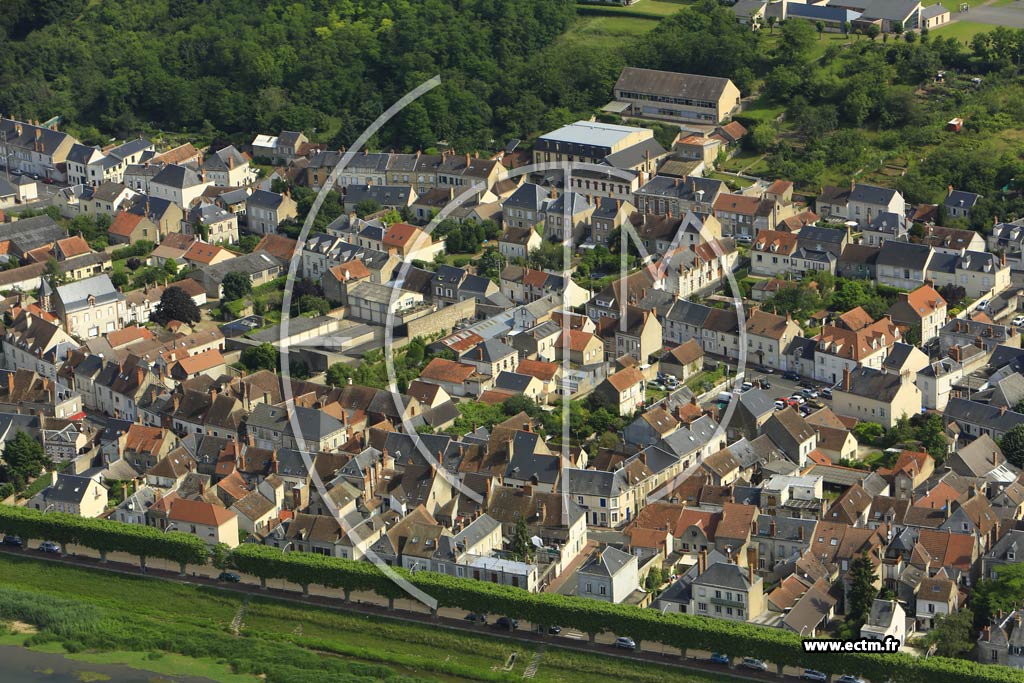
x=531 y=669
x=236 y=623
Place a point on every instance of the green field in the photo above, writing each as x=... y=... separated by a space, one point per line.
x=962 y=30
x=172 y=628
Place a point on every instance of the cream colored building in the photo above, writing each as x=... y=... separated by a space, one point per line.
x=676 y=97
x=72 y=495
x=872 y=395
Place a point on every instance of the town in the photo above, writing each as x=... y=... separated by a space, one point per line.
x=594 y=364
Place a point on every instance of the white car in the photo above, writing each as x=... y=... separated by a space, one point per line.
x=983 y=305
x=746 y=386
x=799 y=399
x=779 y=405
x=753 y=664
x=1018 y=321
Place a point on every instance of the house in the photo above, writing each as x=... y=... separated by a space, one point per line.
x=676 y=97
x=891 y=14
x=129 y=228
x=937 y=596
x=858 y=202
x=771 y=253
x=265 y=211
x=213 y=223
x=387 y=197
x=524 y=208
x=279 y=148
x=458 y=379
x=34 y=149
x=211 y=523
x=90 y=307
x=228 y=167
x=517 y=243
x=609 y=499
x=71 y=494
x=745 y=215
x=885 y=226
x=610 y=575
x=768 y=336
x=260 y=266
x=951 y=240
x=1003 y=641
x=24 y=235
x=623 y=391
x=408 y=242
x=886 y=620
x=933 y=16
x=683 y=361
x=988 y=336
x=200 y=253
x=840 y=348
x=567 y=218
x=922 y=311
x=609 y=216
x=872 y=395
x=727 y=591
x=179 y=185
x=664 y=195
x=32 y=342
x=637 y=333
x=792 y=434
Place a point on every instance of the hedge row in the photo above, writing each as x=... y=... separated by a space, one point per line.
x=683 y=631
x=103 y=535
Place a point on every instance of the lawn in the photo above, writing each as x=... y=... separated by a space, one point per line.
x=962 y=30
x=609 y=32
x=140 y=622
x=652 y=8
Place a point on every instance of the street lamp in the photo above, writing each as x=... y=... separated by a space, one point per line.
x=48 y=508
x=169 y=527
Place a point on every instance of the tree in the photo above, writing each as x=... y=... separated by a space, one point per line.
x=771 y=24
x=235 y=285
x=797 y=39
x=762 y=136
x=1002 y=594
x=951 y=634
x=53 y=272
x=367 y=207
x=846 y=29
x=171 y=266
x=820 y=25
x=520 y=544
x=872 y=31
x=175 y=304
x=862 y=590
x=1012 y=444
x=23 y=459
x=520 y=403
x=311 y=304
x=262 y=357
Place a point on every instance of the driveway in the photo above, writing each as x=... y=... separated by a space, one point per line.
x=1011 y=16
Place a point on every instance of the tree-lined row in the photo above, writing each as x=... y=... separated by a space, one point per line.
x=682 y=631
x=103 y=535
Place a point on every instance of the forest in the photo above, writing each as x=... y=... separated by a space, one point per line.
x=829 y=107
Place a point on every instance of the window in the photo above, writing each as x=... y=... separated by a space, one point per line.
x=604 y=590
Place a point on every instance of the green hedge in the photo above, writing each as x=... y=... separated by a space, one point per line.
x=103 y=535
x=683 y=631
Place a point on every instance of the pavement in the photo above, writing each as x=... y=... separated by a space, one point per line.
x=404 y=610
x=1010 y=16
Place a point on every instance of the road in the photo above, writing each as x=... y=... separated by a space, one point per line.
x=404 y=610
x=1011 y=15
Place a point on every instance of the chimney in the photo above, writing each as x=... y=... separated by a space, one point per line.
x=800 y=532
x=702 y=562
x=846 y=379
x=995 y=458
x=751 y=564
x=949 y=505
x=252 y=439
x=10 y=382
x=140 y=376
x=772 y=528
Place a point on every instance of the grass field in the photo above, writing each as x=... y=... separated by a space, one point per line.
x=962 y=30
x=151 y=625
x=653 y=8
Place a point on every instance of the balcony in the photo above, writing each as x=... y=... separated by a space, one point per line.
x=727 y=603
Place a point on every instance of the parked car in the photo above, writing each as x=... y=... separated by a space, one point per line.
x=806 y=384
x=791 y=375
x=983 y=305
x=792 y=402
x=780 y=404
x=718 y=658
x=809 y=393
x=826 y=393
x=625 y=643
x=230 y=577
x=1018 y=321
x=765 y=385
x=49 y=547
x=744 y=239
x=746 y=386
x=671 y=382
x=505 y=622
x=806 y=410
x=800 y=400
x=846 y=678
x=553 y=630
x=475 y=618
x=12 y=540
x=753 y=664
x=812 y=675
